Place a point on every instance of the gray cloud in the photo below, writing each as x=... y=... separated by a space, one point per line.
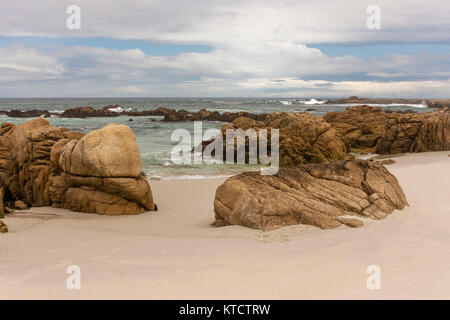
x=258 y=49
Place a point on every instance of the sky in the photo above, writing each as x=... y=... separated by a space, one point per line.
x=209 y=48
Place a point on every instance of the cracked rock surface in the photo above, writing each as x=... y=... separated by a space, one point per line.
x=325 y=195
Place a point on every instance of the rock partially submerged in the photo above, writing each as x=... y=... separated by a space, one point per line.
x=170 y=115
x=325 y=195
x=303 y=137
x=100 y=172
x=359 y=127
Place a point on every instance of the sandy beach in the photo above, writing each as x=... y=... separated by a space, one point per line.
x=175 y=253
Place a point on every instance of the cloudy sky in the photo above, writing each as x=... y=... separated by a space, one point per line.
x=209 y=48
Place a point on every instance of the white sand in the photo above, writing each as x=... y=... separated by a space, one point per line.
x=175 y=253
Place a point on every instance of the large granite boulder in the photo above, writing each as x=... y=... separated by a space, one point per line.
x=111 y=151
x=429 y=131
x=99 y=172
x=325 y=195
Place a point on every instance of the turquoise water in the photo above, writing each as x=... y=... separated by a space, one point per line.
x=154 y=138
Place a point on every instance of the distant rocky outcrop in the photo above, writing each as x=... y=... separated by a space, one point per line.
x=203 y=114
x=170 y=115
x=325 y=195
x=363 y=101
x=438 y=103
x=99 y=172
x=303 y=137
x=26 y=113
x=88 y=112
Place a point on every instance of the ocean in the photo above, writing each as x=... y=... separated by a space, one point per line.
x=154 y=138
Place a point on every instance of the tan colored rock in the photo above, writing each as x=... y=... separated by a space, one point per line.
x=2 y=209
x=40 y=163
x=322 y=195
x=359 y=127
x=136 y=190
x=90 y=200
x=20 y=205
x=3 y=227
x=111 y=151
x=303 y=137
x=429 y=131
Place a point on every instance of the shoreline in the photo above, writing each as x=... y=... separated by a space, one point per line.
x=175 y=253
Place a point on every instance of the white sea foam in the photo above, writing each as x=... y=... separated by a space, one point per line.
x=119 y=109
x=387 y=105
x=313 y=101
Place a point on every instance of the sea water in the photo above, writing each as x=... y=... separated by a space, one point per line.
x=154 y=138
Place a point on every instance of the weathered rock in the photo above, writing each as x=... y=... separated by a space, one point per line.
x=171 y=115
x=325 y=195
x=2 y=208
x=359 y=127
x=303 y=137
x=111 y=151
x=26 y=113
x=370 y=129
x=86 y=111
x=20 y=205
x=45 y=165
x=3 y=227
x=362 y=101
x=429 y=131
x=438 y=103
x=9 y=210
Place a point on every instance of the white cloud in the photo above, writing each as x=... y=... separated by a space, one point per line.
x=284 y=70
x=231 y=22
x=258 y=49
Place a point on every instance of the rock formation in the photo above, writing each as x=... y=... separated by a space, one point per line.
x=170 y=115
x=325 y=195
x=362 y=101
x=99 y=172
x=3 y=227
x=370 y=129
x=429 y=131
x=359 y=127
x=25 y=114
x=88 y=112
x=303 y=137
x=438 y=103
